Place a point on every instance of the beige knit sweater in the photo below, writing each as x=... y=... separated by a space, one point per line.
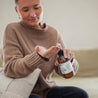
x=20 y=57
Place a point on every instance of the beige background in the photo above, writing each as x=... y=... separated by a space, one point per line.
x=76 y=20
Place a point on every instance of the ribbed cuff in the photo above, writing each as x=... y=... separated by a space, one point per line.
x=33 y=59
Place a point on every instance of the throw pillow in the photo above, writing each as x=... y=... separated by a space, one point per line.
x=17 y=88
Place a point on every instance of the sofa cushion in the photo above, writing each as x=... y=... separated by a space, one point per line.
x=17 y=88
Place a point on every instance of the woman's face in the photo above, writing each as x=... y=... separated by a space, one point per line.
x=30 y=11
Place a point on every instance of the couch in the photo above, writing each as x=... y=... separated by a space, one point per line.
x=87 y=75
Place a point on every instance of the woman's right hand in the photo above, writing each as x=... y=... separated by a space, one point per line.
x=47 y=53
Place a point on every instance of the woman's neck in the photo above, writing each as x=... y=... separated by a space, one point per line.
x=37 y=26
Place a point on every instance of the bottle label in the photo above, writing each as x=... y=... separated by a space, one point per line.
x=66 y=67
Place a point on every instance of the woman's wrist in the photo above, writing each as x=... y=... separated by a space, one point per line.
x=46 y=59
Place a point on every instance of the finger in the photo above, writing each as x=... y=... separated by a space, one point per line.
x=55 y=49
x=65 y=55
x=68 y=53
x=56 y=63
x=51 y=51
x=59 y=45
x=37 y=48
x=71 y=56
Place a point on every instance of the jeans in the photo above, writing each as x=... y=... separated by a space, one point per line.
x=65 y=92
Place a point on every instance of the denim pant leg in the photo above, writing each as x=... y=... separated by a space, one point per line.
x=34 y=96
x=67 y=92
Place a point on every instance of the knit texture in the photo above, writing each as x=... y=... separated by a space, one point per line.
x=20 y=57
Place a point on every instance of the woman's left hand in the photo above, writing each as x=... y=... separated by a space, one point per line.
x=67 y=54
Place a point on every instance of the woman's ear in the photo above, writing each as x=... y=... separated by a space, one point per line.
x=16 y=9
x=17 y=12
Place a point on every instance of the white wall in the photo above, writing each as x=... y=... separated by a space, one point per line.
x=76 y=20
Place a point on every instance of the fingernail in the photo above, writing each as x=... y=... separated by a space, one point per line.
x=59 y=45
x=65 y=56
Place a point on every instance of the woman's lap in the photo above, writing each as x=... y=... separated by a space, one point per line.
x=65 y=92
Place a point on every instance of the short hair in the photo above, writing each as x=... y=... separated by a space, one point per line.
x=16 y=1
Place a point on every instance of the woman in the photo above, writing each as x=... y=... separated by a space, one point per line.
x=29 y=44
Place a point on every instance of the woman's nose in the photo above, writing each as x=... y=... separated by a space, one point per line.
x=32 y=13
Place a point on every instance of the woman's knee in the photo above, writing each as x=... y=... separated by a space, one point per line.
x=67 y=92
x=80 y=93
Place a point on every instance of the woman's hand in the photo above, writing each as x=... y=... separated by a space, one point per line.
x=67 y=54
x=47 y=53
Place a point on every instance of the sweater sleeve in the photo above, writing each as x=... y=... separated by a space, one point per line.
x=74 y=62
x=15 y=64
